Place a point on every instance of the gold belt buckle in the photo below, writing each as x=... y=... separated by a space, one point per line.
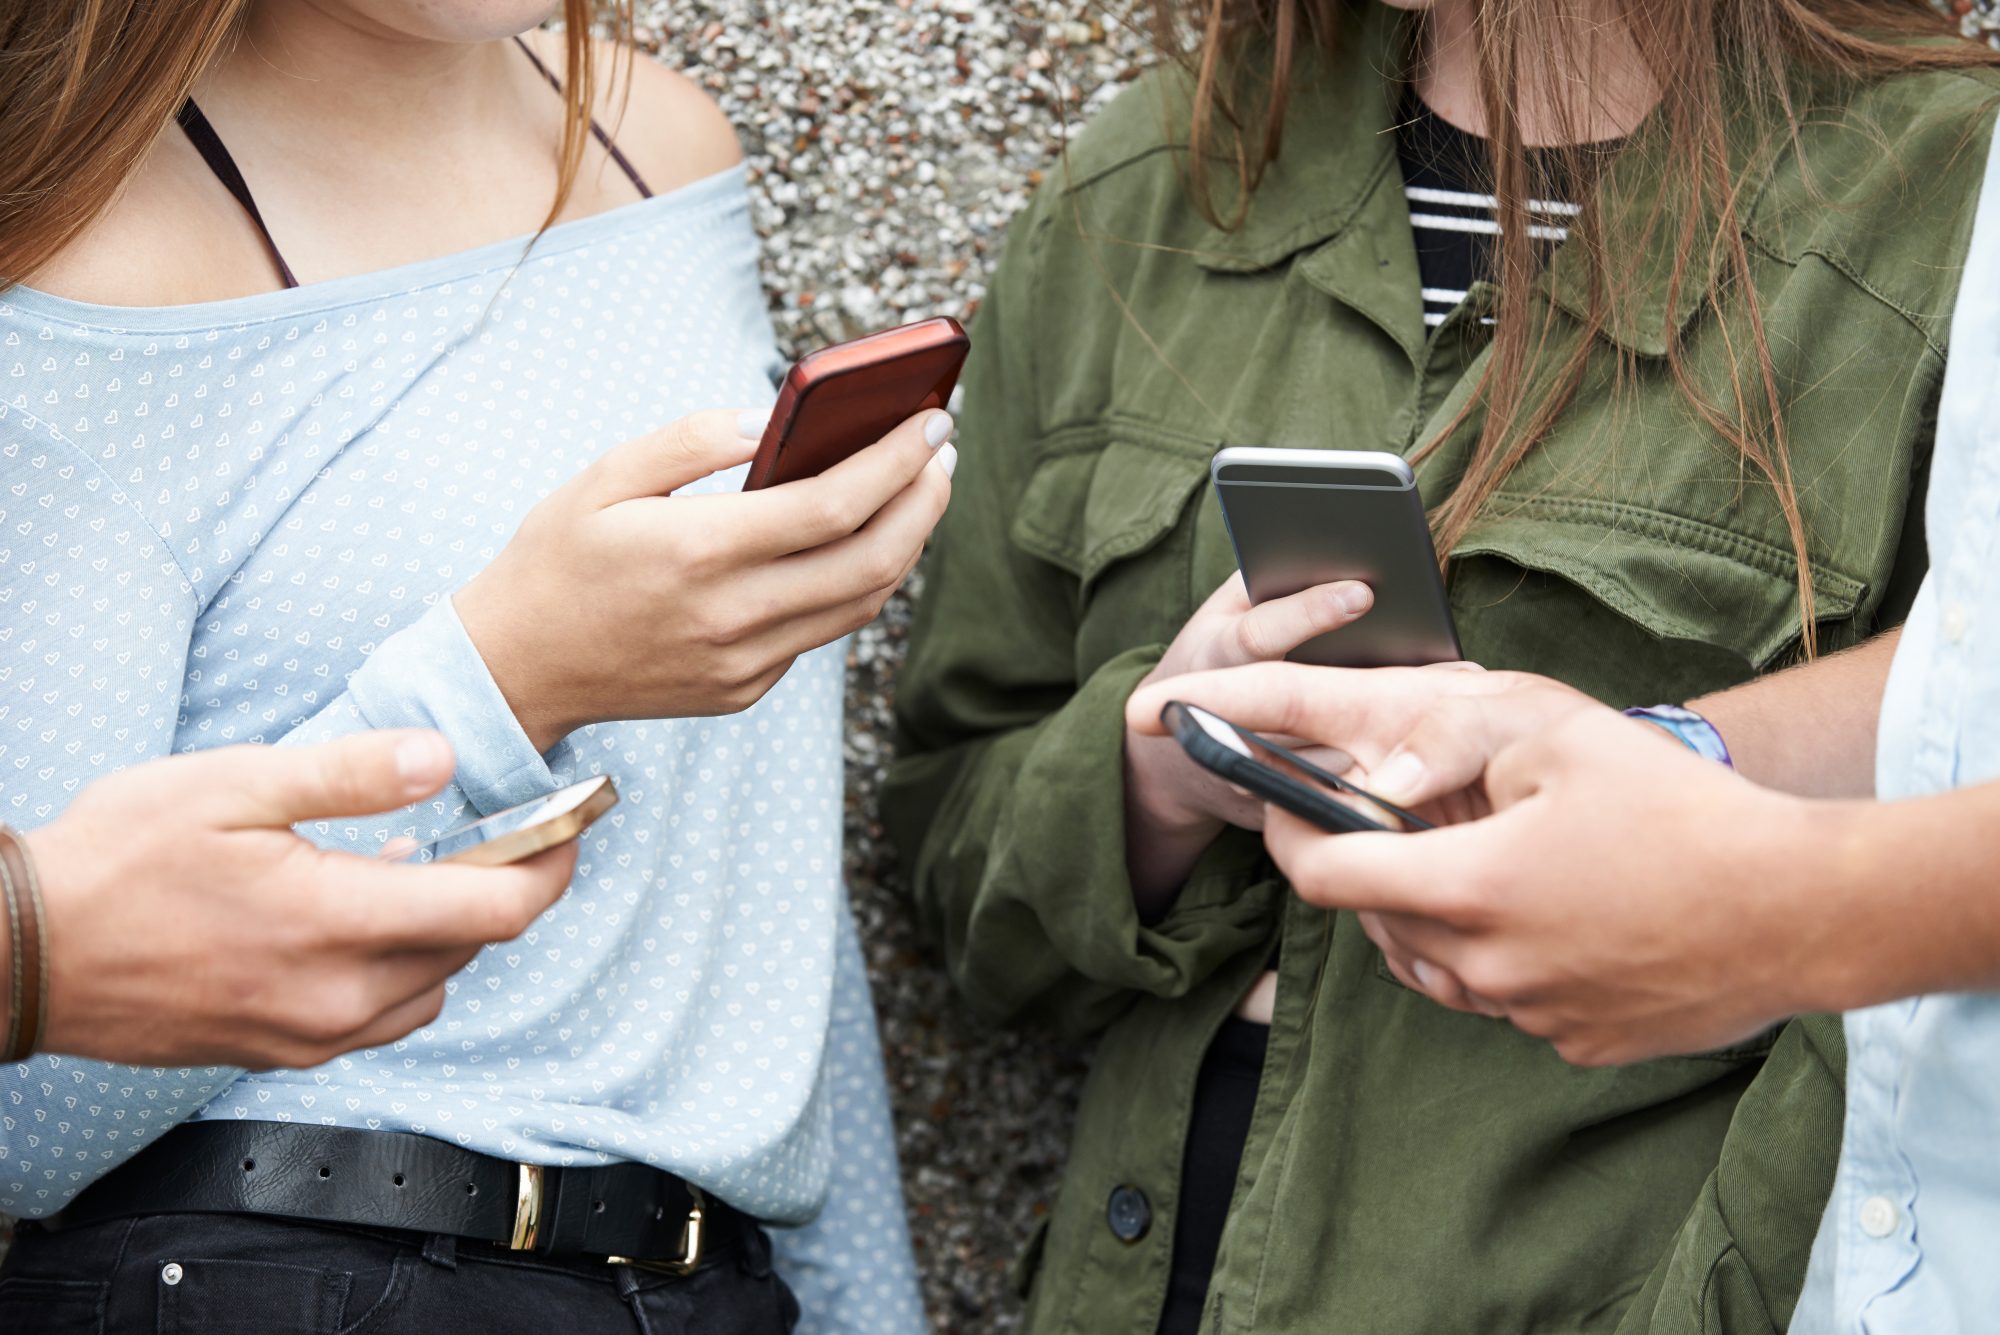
x=690 y=1256
x=527 y=1207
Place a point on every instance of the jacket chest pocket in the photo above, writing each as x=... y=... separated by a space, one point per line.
x=1636 y=606
x=1117 y=518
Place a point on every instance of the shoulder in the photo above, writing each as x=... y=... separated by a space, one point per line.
x=664 y=122
x=151 y=246
x=1142 y=129
x=1118 y=178
x=1883 y=183
x=1121 y=178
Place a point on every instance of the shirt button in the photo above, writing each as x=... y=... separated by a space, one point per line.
x=1879 y=1216
x=1956 y=620
x=1129 y=1213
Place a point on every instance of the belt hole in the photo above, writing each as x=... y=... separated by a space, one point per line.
x=325 y=1172
x=398 y=1179
x=472 y=1188
x=597 y=1207
x=249 y=1165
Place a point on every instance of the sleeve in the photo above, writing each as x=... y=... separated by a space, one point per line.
x=430 y=675
x=96 y=616
x=99 y=618
x=1007 y=799
x=1738 y=1263
x=852 y=1268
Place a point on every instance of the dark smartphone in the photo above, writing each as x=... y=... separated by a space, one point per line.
x=1282 y=777
x=844 y=398
x=1303 y=517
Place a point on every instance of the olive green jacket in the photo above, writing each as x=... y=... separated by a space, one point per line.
x=1410 y=1170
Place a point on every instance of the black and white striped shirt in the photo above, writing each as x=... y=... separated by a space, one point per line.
x=1451 y=217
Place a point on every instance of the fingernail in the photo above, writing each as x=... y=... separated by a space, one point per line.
x=956 y=401
x=937 y=429
x=1398 y=777
x=948 y=459
x=1426 y=976
x=1356 y=598
x=750 y=423
x=420 y=756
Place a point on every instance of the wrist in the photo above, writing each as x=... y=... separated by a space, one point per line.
x=1850 y=946
x=25 y=944
x=1163 y=837
x=482 y=615
x=73 y=864
x=1690 y=729
x=1155 y=803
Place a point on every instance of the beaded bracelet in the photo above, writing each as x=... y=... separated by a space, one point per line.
x=1688 y=728
x=28 y=974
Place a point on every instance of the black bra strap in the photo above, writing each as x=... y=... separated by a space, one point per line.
x=624 y=165
x=209 y=144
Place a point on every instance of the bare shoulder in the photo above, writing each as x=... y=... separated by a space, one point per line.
x=668 y=120
x=157 y=242
x=663 y=121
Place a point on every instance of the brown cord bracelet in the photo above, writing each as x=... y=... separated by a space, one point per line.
x=28 y=978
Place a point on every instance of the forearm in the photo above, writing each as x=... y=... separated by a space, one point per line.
x=1911 y=900
x=1809 y=730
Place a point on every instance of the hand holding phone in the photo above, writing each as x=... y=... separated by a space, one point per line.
x=1174 y=808
x=624 y=596
x=1301 y=518
x=203 y=930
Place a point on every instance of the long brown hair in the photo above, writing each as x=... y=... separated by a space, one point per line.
x=1714 y=61
x=87 y=85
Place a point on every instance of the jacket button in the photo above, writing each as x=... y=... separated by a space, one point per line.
x=1129 y=1213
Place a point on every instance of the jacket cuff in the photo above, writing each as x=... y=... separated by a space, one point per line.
x=430 y=675
x=1068 y=825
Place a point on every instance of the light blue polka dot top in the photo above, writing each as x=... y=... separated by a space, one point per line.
x=241 y=522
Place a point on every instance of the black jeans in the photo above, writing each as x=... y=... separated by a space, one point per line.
x=243 y=1275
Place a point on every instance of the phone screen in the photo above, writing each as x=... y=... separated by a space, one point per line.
x=502 y=824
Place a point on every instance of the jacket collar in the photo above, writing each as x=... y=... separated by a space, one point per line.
x=1338 y=161
x=1339 y=143
x=1655 y=309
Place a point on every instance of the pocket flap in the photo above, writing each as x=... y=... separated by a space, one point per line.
x=1083 y=511
x=1679 y=579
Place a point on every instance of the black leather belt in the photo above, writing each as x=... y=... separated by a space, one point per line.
x=627 y=1213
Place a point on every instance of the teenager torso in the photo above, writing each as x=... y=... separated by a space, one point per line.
x=1407 y=1168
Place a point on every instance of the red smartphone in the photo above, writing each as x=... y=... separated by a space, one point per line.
x=844 y=398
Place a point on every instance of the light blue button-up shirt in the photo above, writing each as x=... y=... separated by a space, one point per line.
x=1910 y=1244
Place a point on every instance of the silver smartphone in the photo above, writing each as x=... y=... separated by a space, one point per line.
x=518 y=832
x=1305 y=517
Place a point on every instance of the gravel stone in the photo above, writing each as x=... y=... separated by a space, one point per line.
x=889 y=142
